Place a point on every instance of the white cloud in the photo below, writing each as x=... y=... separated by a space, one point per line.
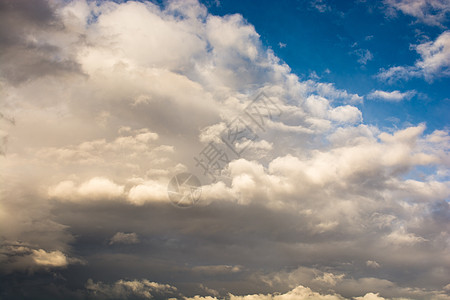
x=328 y=90
x=435 y=56
x=100 y=187
x=49 y=259
x=97 y=188
x=370 y=296
x=19 y=256
x=434 y=62
x=394 y=96
x=346 y=114
x=364 y=55
x=148 y=191
x=431 y=12
x=298 y=293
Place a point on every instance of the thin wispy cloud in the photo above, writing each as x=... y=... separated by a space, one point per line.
x=430 y=12
x=394 y=96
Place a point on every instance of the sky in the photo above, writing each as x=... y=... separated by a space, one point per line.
x=211 y=150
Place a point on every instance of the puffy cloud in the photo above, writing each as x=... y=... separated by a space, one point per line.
x=372 y=264
x=370 y=296
x=298 y=293
x=148 y=191
x=49 y=259
x=97 y=188
x=434 y=62
x=18 y=256
x=126 y=94
x=328 y=90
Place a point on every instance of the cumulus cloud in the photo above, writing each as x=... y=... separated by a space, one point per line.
x=298 y=293
x=372 y=264
x=50 y=259
x=110 y=100
x=434 y=62
x=96 y=188
x=22 y=257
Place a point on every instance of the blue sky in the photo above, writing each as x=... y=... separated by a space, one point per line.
x=325 y=39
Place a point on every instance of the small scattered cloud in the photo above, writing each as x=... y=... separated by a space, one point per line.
x=217 y=269
x=124 y=238
x=372 y=264
x=19 y=256
x=394 y=96
x=320 y=5
x=364 y=55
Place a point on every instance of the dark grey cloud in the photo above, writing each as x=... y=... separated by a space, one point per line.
x=25 y=49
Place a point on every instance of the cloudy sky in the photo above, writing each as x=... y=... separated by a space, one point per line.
x=315 y=136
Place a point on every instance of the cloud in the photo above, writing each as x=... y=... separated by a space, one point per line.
x=372 y=264
x=364 y=55
x=135 y=289
x=370 y=296
x=394 y=96
x=329 y=91
x=97 y=188
x=22 y=257
x=320 y=5
x=430 y=12
x=124 y=238
x=298 y=293
x=40 y=53
x=434 y=62
x=217 y=269
x=49 y=259
x=125 y=95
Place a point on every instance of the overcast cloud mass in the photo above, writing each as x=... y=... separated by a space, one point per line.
x=102 y=103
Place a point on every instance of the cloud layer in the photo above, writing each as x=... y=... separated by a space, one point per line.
x=109 y=101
